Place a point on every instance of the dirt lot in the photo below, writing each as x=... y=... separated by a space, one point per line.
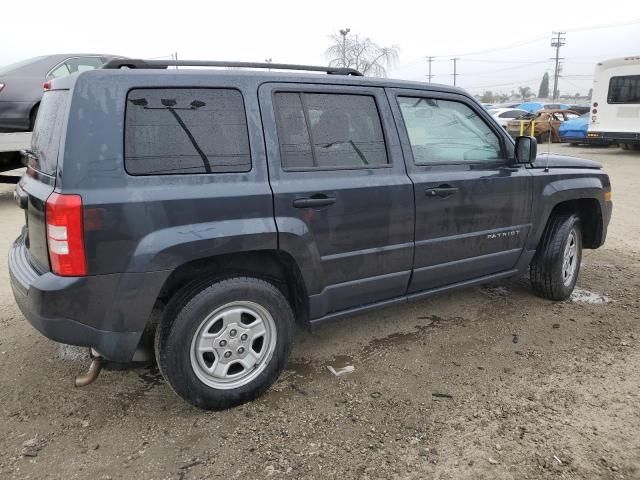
x=487 y=383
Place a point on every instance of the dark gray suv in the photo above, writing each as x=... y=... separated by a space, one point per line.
x=237 y=203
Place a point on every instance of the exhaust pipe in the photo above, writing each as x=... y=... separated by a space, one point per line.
x=93 y=372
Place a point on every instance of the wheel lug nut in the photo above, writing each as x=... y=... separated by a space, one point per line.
x=243 y=337
x=232 y=333
x=241 y=350
x=227 y=354
x=223 y=343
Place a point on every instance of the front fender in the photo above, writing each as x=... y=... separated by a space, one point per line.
x=562 y=190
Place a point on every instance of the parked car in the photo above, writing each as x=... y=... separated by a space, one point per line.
x=506 y=105
x=581 y=109
x=574 y=131
x=542 y=125
x=207 y=211
x=503 y=115
x=537 y=106
x=21 y=84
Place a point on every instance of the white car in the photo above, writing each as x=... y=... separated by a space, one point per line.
x=503 y=115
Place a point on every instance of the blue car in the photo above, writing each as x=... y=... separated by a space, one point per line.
x=536 y=106
x=574 y=131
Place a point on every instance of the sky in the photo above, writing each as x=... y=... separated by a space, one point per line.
x=501 y=44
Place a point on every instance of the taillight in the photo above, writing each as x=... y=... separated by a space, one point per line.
x=47 y=85
x=1 y=86
x=65 y=235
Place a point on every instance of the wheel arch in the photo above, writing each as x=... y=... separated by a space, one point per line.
x=275 y=266
x=590 y=212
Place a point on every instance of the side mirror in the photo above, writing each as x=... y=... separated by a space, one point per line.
x=526 y=149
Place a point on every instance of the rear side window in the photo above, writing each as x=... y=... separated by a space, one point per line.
x=45 y=140
x=624 y=89
x=329 y=131
x=185 y=131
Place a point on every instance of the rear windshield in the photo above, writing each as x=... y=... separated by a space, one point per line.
x=47 y=131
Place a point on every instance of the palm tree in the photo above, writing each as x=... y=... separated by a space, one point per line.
x=362 y=54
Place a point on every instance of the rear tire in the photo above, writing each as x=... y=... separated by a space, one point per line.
x=555 y=267
x=222 y=344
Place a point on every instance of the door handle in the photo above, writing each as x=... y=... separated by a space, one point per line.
x=441 y=191
x=315 y=201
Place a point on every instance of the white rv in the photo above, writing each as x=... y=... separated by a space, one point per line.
x=615 y=110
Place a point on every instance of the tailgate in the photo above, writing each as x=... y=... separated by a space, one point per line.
x=38 y=182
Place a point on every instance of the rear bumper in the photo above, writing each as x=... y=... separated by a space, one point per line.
x=584 y=140
x=104 y=312
x=620 y=137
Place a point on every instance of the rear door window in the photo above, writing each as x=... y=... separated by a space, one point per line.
x=47 y=131
x=329 y=131
x=186 y=131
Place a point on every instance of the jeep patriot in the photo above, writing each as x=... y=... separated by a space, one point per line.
x=201 y=213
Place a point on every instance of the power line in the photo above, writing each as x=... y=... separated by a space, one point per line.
x=534 y=40
x=517 y=67
x=518 y=82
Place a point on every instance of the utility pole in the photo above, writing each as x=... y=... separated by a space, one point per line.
x=344 y=33
x=429 y=59
x=557 y=41
x=455 y=70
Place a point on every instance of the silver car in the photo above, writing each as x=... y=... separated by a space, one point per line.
x=22 y=84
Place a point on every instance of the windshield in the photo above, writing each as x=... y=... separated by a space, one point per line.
x=18 y=65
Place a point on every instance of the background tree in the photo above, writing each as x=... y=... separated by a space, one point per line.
x=525 y=92
x=363 y=54
x=487 y=97
x=543 y=91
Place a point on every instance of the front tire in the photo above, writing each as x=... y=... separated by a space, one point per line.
x=555 y=267
x=222 y=344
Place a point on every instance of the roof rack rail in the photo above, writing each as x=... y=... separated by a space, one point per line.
x=117 y=63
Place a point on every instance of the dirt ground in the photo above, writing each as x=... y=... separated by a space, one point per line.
x=487 y=383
